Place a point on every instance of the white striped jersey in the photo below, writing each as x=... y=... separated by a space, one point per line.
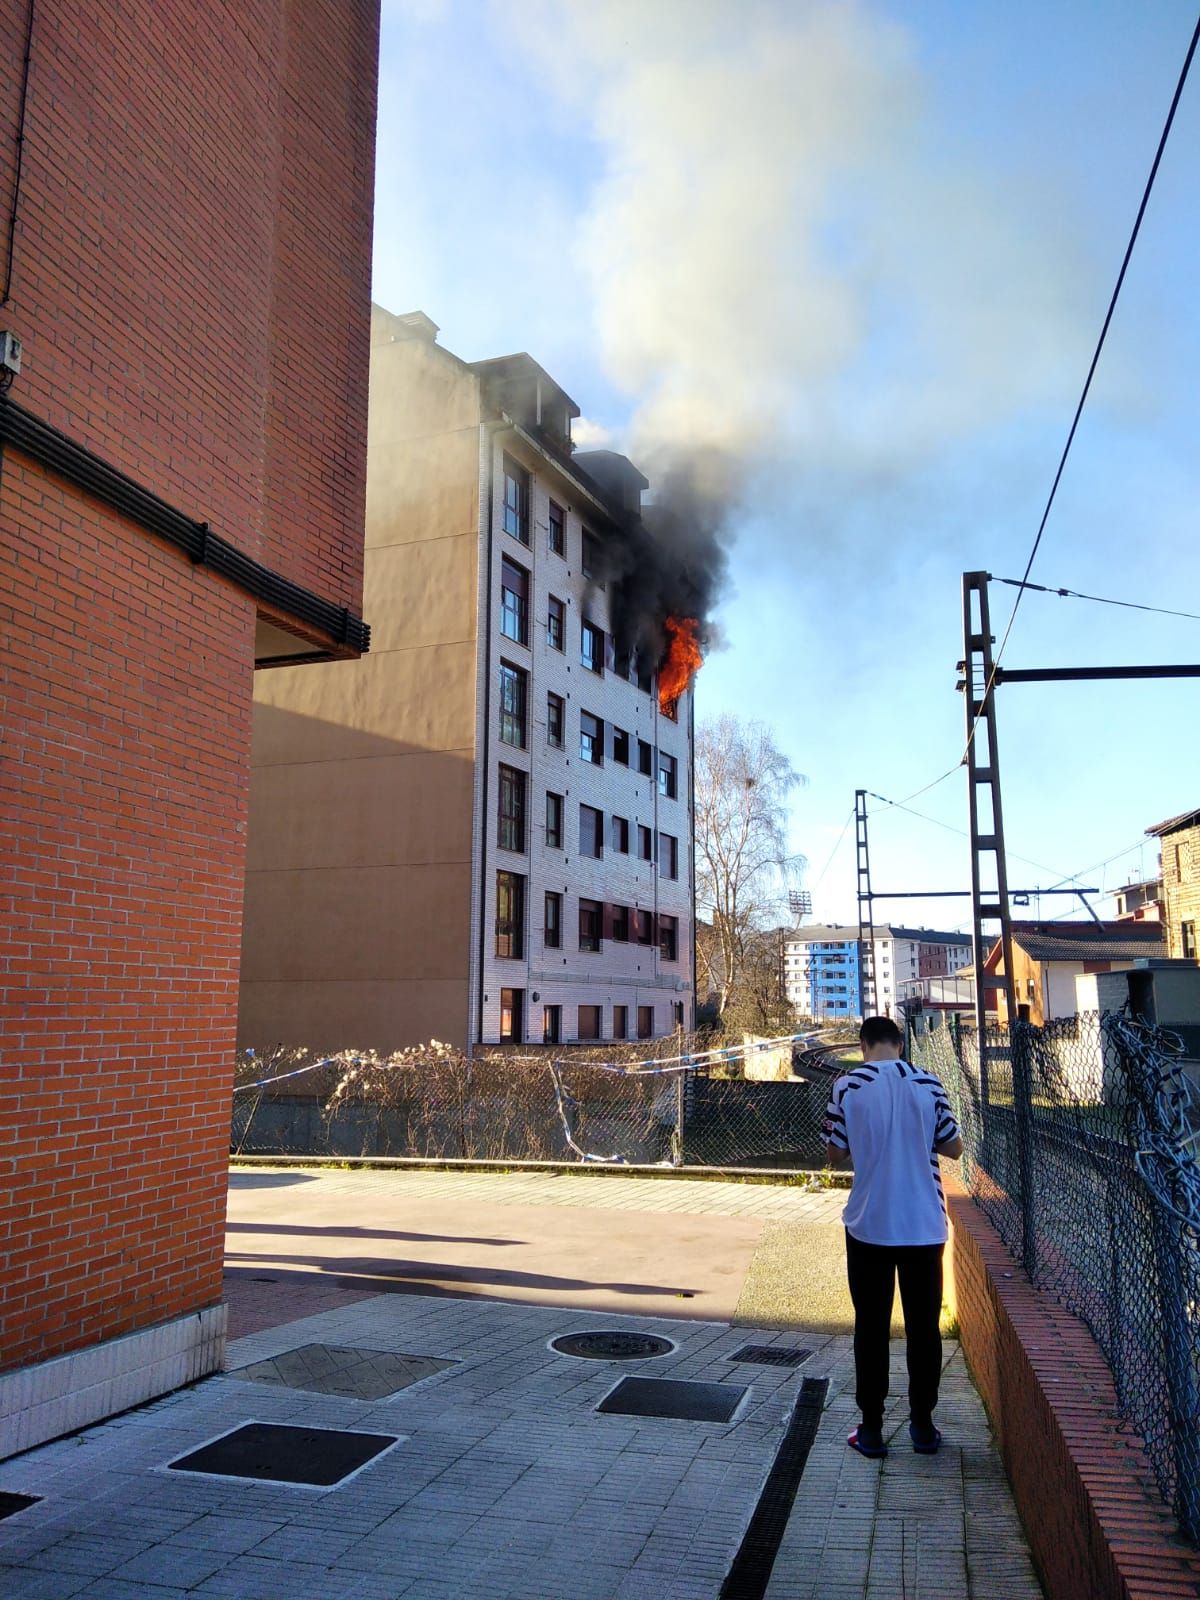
x=889 y=1115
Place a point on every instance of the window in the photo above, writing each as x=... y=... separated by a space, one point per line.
x=668 y=776
x=512 y=1009
x=512 y=809
x=591 y=559
x=620 y=746
x=645 y=758
x=668 y=855
x=645 y=679
x=668 y=938
x=670 y=710
x=591 y=738
x=645 y=927
x=554 y=720
x=590 y=913
x=620 y=923
x=552 y=928
x=679 y=1013
x=554 y=821
x=552 y=1025
x=514 y=602
x=1188 y=933
x=558 y=522
x=591 y=832
x=589 y=1022
x=514 y=686
x=620 y=1022
x=645 y=1022
x=620 y=835
x=645 y=843
x=591 y=652
x=510 y=915
x=556 y=624
x=515 y=518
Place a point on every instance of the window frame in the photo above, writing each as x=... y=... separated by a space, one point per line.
x=556 y=623
x=595 y=739
x=645 y=759
x=552 y=925
x=551 y=1032
x=668 y=776
x=514 y=815
x=620 y=745
x=557 y=811
x=619 y=834
x=515 y=922
x=591 y=659
x=514 y=602
x=514 y=510
x=597 y=1016
x=645 y=842
x=557 y=547
x=594 y=832
x=591 y=941
x=648 y=1031
x=517 y=718
x=670 y=869
x=620 y=1022
x=556 y=713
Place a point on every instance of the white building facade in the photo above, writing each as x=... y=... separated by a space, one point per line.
x=822 y=977
x=582 y=917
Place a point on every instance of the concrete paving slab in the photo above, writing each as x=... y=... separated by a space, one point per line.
x=508 y=1482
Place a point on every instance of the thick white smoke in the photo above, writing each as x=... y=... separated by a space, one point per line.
x=784 y=257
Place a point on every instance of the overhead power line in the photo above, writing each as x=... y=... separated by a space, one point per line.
x=1108 y=316
x=1074 y=594
x=1112 y=305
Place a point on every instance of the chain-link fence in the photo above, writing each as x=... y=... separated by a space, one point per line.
x=661 y=1108
x=1079 y=1145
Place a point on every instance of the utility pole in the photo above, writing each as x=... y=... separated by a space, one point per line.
x=867 y=1001
x=989 y=873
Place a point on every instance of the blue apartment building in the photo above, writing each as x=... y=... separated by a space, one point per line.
x=821 y=974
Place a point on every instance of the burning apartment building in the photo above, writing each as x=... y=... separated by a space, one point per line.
x=482 y=832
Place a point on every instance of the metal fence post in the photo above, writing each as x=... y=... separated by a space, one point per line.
x=1020 y=1042
x=680 y=1111
x=1179 y=1361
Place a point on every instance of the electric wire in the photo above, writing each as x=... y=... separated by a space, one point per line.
x=1129 y=248
x=834 y=851
x=1074 y=594
x=19 y=140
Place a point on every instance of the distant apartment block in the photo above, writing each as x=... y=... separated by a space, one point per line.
x=482 y=832
x=822 y=970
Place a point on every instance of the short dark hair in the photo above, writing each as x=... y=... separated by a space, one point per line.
x=879 y=1030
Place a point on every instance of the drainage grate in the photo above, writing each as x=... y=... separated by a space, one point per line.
x=279 y=1453
x=750 y=1573
x=673 y=1397
x=330 y=1369
x=771 y=1355
x=10 y=1504
x=616 y=1344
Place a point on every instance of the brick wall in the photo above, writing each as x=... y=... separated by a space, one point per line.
x=191 y=262
x=1082 y=1483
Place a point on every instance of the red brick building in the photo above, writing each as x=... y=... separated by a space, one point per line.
x=185 y=224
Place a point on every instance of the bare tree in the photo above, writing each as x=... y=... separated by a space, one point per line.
x=743 y=781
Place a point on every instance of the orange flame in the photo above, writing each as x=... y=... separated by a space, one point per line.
x=683 y=660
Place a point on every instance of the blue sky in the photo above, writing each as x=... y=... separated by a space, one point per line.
x=869 y=249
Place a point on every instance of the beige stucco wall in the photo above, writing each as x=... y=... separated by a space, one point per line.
x=359 y=871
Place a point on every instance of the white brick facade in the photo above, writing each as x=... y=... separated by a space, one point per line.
x=621 y=973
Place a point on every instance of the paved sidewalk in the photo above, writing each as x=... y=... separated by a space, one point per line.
x=506 y=1481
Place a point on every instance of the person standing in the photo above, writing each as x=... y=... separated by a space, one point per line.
x=891 y=1121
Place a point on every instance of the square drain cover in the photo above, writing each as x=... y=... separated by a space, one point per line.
x=673 y=1397
x=771 y=1355
x=330 y=1369
x=278 y=1453
x=10 y=1504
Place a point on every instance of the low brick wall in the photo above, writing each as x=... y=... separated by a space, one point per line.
x=1084 y=1488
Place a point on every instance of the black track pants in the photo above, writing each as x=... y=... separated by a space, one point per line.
x=872 y=1270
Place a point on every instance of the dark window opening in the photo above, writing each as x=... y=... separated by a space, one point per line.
x=620 y=923
x=668 y=776
x=620 y=835
x=620 y=746
x=590 y=915
x=512 y=809
x=591 y=653
x=554 y=720
x=645 y=1022
x=668 y=938
x=554 y=821
x=620 y=1022
x=514 y=602
x=591 y=739
x=558 y=537
x=645 y=843
x=668 y=855
x=591 y=832
x=513 y=699
x=645 y=758
x=556 y=624
x=552 y=930
x=515 y=515
x=589 y=1022
x=512 y=1013
x=552 y=1025
x=510 y=915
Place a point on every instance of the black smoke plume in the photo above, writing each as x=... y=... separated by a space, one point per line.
x=671 y=560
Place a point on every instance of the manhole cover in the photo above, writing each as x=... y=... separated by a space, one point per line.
x=673 y=1397
x=10 y=1504
x=771 y=1355
x=276 y=1453
x=331 y=1369
x=616 y=1344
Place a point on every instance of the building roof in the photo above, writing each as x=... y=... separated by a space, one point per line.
x=834 y=933
x=1185 y=819
x=1088 y=941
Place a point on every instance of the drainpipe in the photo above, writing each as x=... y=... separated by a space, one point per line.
x=490 y=431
